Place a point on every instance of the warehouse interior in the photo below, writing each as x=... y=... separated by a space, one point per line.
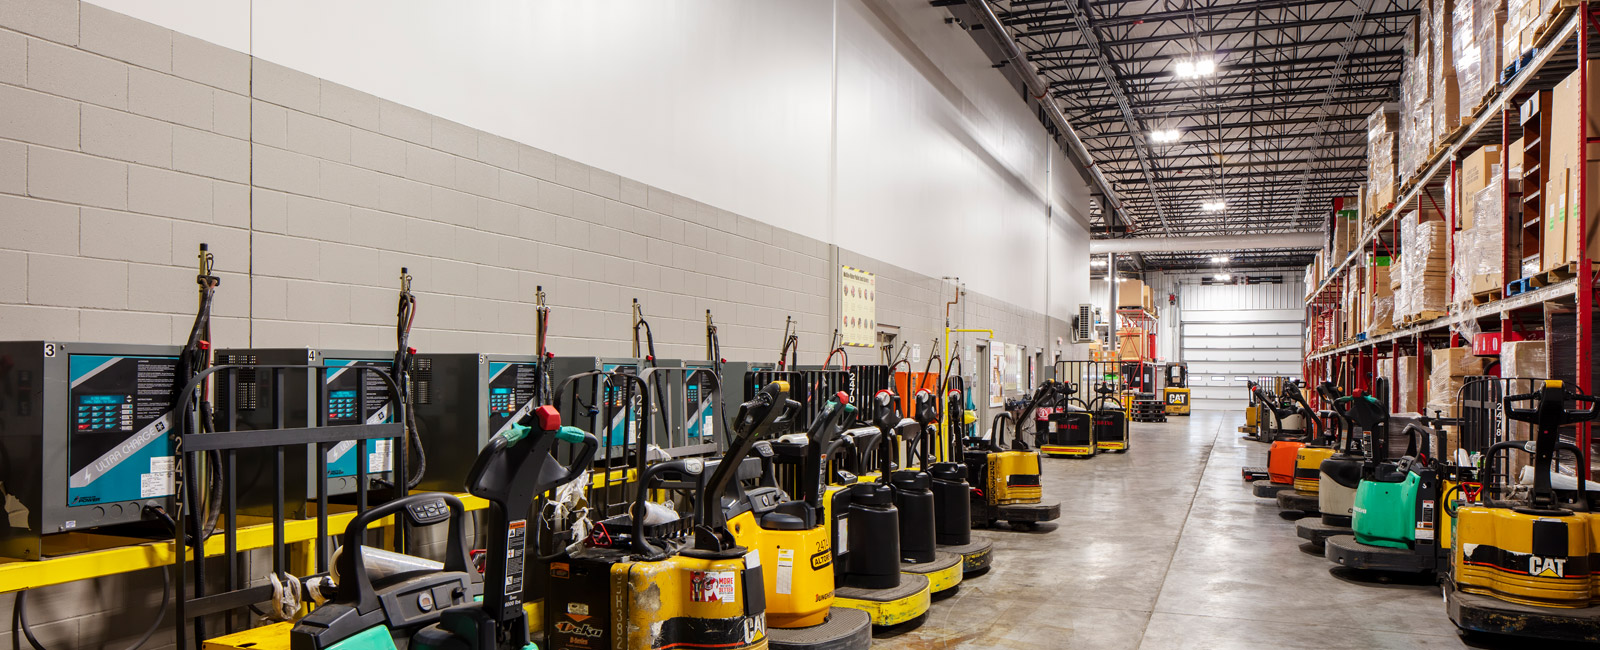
x=839 y=324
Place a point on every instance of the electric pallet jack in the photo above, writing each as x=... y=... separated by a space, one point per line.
x=1175 y=394
x=913 y=497
x=1399 y=523
x=452 y=608
x=1303 y=498
x=791 y=533
x=1339 y=475
x=863 y=524
x=952 y=507
x=1281 y=454
x=1005 y=478
x=1110 y=421
x=1069 y=433
x=655 y=577
x=1523 y=565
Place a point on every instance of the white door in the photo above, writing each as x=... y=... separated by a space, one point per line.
x=1224 y=348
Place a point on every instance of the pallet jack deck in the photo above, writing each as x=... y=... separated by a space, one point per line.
x=889 y=607
x=1346 y=551
x=1268 y=489
x=846 y=629
x=943 y=573
x=1253 y=474
x=1016 y=513
x=975 y=556
x=1296 y=500
x=1316 y=531
x=1479 y=613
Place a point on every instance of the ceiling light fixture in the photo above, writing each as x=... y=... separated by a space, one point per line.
x=1214 y=206
x=1224 y=277
x=1166 y=135
x=1194 y=68
x=1223 y=259
x=1097 y=262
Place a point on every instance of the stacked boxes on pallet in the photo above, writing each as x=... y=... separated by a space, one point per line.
x=1445 y=98
x=1416 y=112
x=1475 y=44
x=1379 y=299
x=1480 y=243
x=1423 y=274
x=1383 y=133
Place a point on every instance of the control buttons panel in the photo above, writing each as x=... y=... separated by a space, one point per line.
x=103 y=413
x=343 y=406
x=428 y=512
x=501 y=401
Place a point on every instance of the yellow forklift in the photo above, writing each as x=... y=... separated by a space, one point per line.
x=1175 y=391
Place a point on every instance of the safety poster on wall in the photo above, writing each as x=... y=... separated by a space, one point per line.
x=858 y=307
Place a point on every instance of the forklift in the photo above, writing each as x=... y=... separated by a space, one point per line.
x=1175 y=395
x=1522 y=559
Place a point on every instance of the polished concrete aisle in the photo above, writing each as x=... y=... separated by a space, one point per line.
x=1164 y=547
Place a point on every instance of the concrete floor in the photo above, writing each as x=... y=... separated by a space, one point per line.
x=1164 y=547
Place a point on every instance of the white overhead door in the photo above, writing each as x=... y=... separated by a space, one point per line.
x=1224 y=348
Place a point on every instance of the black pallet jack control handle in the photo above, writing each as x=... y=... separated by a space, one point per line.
x=422 y=509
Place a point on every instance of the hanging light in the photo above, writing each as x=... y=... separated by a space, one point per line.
x=1097 y=263
x=1221 y=259
x=1214 y=206
x=1224 y=277
x=1194 y=68
x=1166 y=135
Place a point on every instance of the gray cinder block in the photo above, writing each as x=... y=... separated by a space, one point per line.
x=56 y=20
x=210 y=64
x=349 y=106
x=169 y=194
x=112 y=235
x=208 y=154
x=58 y=281
x=77 y=178
x=285 y=87
x=13 y=167
x=123 y=37
x=38 y=226
x=169 y=98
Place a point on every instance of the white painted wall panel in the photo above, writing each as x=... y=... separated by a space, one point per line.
x=874 y=126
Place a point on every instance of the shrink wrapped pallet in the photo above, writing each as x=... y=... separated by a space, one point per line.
x=1445 y=95
x=1383 y=127
x=1381 y=319
x=1406 y=382
x=1423 y=273
x=1416 y=111
x=1477 y=50
x=1480 y=249
x=1516 y=18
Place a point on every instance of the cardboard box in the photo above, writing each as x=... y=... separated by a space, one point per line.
x=1513 y=158
x=1524 y=359
x=1130 y=347
x=1130 y=293
x=1553 y=238
x=1477 y=171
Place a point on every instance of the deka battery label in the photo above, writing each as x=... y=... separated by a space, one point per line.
x=120 y=413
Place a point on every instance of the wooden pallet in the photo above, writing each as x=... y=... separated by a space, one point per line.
x=1423 y=317
x=1486 y=297
x=1554 y=20
x=1564 y=272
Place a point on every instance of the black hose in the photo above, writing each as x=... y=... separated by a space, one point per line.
x=19 y=618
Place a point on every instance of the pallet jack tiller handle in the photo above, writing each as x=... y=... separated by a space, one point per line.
x=421 y=510
x=770 y=407
x=1549 y=412
x=514 y=468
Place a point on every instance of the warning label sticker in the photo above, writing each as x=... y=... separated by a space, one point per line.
x=785 y=570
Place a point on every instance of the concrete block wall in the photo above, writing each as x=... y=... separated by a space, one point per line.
x=124 y=145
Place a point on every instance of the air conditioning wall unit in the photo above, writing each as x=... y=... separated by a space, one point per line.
x=1083 y=323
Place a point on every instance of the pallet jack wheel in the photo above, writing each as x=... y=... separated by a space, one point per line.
x=846 y=629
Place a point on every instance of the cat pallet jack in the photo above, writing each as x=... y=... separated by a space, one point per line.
x=1522 y=565
x=791 y=533
x=651 y=576
x=440 y=610
x=913 y=498
x=1005 y=477
x=952 y=507
x=863 y=524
